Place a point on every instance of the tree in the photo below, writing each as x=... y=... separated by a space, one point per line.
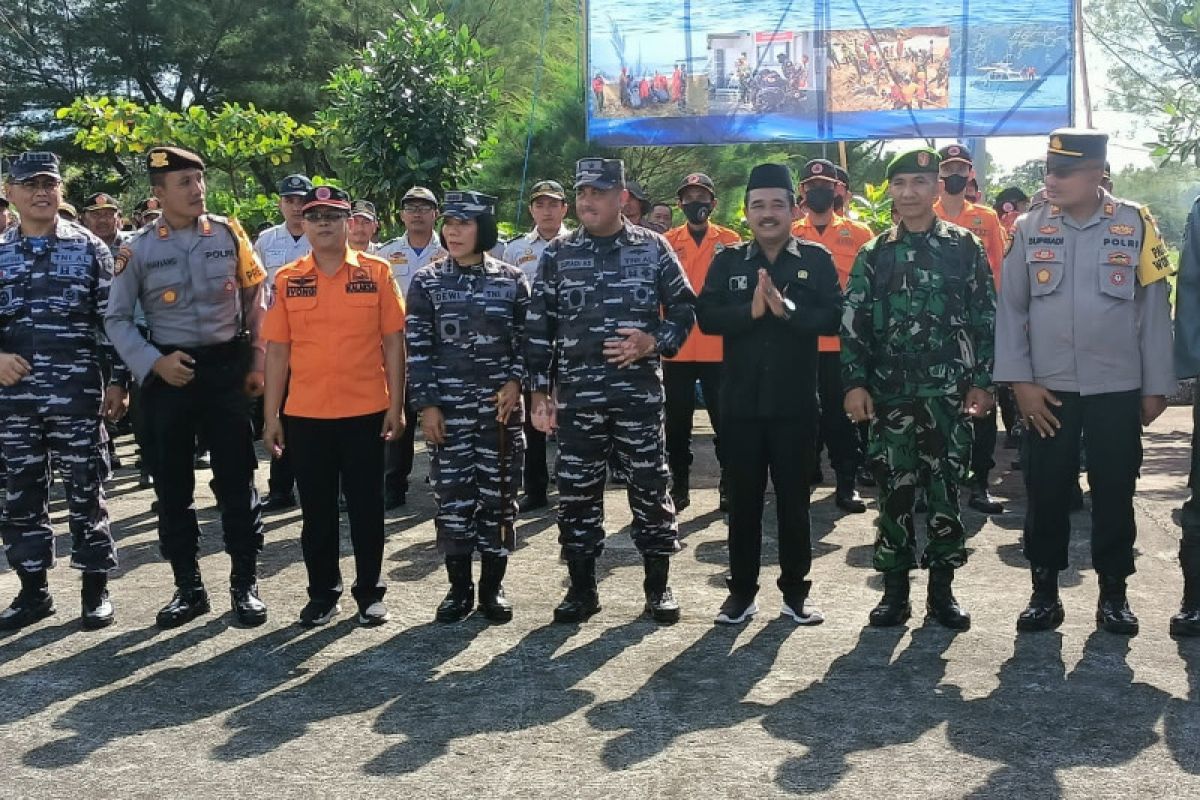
x=413 y=111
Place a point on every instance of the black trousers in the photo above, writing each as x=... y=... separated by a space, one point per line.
x=983 y=449
x=1189 y=546
x=1113 y=427
x=346 y=453
x=782 y=449
x=1006 y=401
x=215 y=408
x=836 y=431
x=399 y=455
x=679 y=381
x=537 y=473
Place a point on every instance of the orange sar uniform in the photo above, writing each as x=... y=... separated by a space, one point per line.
x=843 y=237
x=700 y=357
x=335 y=325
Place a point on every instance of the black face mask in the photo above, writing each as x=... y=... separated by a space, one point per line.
x=955 y=184
x=819 y=199
x=697 y=213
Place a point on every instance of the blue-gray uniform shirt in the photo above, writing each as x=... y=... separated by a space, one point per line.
x=464 y=330
x=1187 y=300
x=53 y=295
x=187 y=282
x=1072 y=316
x=585 y=291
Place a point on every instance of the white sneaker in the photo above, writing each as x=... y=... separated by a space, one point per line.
x=374 y=614
x=803 y=611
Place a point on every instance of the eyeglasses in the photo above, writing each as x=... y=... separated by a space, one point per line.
x=41 y=184
x=324 y=216
x=417 y=208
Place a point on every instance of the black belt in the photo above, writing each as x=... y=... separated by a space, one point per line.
x=224 y=351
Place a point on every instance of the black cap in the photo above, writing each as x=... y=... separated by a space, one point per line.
x=955 y=152
x=330 y=196
x=602 y=173
x=468 y=205
x=100 y=200
x=770 y=176
x=842 y=176
x=697 y=179
x=921 y=160
x=1070 y=146
x=820 y=169
x=636 y=191
x=295 y=186
x=31 y=165
x=363 y=208
x=548 y=189
x=160 y=160
x=420 y=193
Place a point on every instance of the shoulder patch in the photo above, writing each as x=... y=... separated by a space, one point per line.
x=122 y=259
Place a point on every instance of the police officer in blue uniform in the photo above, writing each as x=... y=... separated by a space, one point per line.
x=202 y=289
x=611 y=299
x=54 y=284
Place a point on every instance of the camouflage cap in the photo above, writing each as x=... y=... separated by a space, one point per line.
x=601 y=173
x=468 y=205
x=548 y=189
x=32 y=164
x=363 y=208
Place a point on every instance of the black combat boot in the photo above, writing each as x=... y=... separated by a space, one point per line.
x=1045 y=609
x=243 y=591
x=681 y=494
x=582 y=598
x=981 y=499
x=660 y=600
x=190 y=600
x=98 y=611
x=894 y=608
x=1113 y=613
x=846 y=496
x=492 y=602
x=460 y=600
x=940 y=604
x=31 y=604
x=1187 y=621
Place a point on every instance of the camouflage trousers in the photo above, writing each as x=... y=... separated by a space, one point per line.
x=474 y=483
x=922 y=442
x=634 y=434
x=77 y=448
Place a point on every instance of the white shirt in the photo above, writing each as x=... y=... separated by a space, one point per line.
x=276 y=248
x=525 y=252
x=406 y=261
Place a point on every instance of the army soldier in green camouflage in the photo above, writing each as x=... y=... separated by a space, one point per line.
x=917 y=344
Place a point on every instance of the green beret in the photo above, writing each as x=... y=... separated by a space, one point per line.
x=923 y=159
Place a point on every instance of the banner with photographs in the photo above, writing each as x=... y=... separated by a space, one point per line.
x=724 y=71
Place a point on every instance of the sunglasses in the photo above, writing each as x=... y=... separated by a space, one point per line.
x=325 y=216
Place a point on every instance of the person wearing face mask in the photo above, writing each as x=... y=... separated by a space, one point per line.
x=843 y=238
x=696 y=243
x=956 y=173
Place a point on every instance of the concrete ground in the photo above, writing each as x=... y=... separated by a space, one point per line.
x=618 y=707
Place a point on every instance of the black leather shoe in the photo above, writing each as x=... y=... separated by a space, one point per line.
x=492 y=602
x=278 y=502
x=1113 y=613
x=865 y=478
x=97 y=609
x=394 y=500
x=941 y=604
x=247 y=606
x=849 y=500
x=894 y=607
x=660 y=600
x=460 y=600
x=982 y=501
x=1186 y=622
x=185 y=606
x=681 y=500
x=583 y=599
x=532 y=502
x=1045 y=609
x=31 y=604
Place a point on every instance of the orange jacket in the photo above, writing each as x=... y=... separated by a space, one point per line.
x=696 y=260
x=844 y=237
x=983 y=222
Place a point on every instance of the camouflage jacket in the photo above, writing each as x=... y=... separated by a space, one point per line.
x=584 y=293
x=53 y=296
x=920 y=314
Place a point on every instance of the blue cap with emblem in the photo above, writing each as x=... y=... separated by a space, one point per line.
x=295 y=186
x=468 y=205
x=31 y=165
x=600 y=173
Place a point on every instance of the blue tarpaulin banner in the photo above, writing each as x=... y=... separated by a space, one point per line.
x=722 y=71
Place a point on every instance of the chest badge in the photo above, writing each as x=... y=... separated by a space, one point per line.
x=1043 y=276
x=1120 y=259
x=1117 y=278
x=229 y=286
x=1121 y=230
x=802 y=274
x=170 y=296
x=1043 y=255
x=1047 y=230
x=738 y=283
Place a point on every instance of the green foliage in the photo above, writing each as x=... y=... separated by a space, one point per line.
x=414 y=111
x=873 y=207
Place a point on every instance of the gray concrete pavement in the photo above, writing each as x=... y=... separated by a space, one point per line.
x=618 y=707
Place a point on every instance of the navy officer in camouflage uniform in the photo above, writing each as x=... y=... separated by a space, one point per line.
x=611 y=299
x=54 y=284
x=202 y=289
x=917 y=343
x=466 y=320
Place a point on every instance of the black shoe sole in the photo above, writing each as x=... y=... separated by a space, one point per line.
x=662 y=617
x=983 y=508
x=1185 y=630
x=583 y=616
x=1117 y=628
x=37 y=616
x=1035 y=626
x=496 y=615
x=250 y=621
x=849 y=508
x=167 y=623
x=96 y=623
x=457 y=616
x=958 y=625
x=876 y=622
